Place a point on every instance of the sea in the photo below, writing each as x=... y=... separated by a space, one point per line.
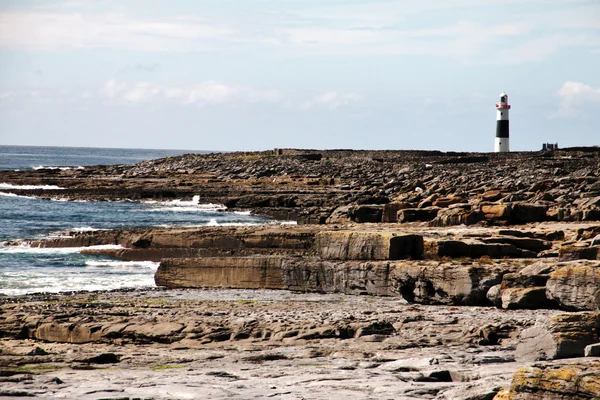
x=25 y=270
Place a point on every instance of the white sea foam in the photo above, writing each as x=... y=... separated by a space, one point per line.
x=66 y=233
x=123 y=265
x=16 y=195
x=185 y=205
x=36 y=167
x=242 y=212
x=214 y=222
x=84 y=229
x=24 y=282
x=7 y=186
x=25 y=248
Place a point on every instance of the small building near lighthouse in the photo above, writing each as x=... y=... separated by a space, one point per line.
x=502 y=137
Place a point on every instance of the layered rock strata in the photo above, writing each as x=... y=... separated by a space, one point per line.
x=509 y=268
x=337 y=186
x=513 y=230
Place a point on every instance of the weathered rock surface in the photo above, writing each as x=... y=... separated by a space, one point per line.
x=368 y=246
x=475 y=266
x=565 y=380
x=576 y=287
x=221 y=272
x=375 y=186
x=438 y=245
x=561 y=336
x=252 y=344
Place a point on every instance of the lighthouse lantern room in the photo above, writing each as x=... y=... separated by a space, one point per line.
x=502 y=139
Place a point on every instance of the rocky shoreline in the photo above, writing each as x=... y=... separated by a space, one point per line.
x=409 y=275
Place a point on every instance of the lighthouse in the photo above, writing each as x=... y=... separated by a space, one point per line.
x=502 y=140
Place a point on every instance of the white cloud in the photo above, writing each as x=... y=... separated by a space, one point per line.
x=477 y=34
x=539 y=48
x=574 y=97
x=332 y=100
x=53 y=30
x=204 y=93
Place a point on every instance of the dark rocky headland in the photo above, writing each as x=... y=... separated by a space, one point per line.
x=410 y=274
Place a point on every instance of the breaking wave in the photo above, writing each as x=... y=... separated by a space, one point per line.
x=8 y=186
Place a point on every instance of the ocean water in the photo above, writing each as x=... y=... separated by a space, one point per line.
x=34 y=157
x=28 y=270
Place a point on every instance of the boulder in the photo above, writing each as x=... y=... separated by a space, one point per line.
x=475 y=249
x=493 y=295
x=341 y=215
x=367 y=213
x=65 y=333
x=457 y=216
x=417 y=214
x=527 y=212
x=492 y=195
x=521 y=291
x=444 y=202
x=496 y=211
x=517 y=212
x=428 y=202
x=531 y=298
x=560 y=336
x=574 y=380
x=592 y=350
x=539 y=268
x=579 y=251
x=347 y=245
x=390 y=211
x=575 y=287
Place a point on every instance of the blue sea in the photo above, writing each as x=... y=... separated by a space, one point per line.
x=29 y=270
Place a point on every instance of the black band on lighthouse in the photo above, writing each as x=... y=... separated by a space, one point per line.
x=502 y=129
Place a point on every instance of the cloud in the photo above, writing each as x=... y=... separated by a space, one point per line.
x=332 y=100
x=54 y=30
x=539 y=48
x=574 y=97
x=469 y=30
x=204 y=93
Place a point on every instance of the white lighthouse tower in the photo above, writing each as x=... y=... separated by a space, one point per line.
x=502 y=140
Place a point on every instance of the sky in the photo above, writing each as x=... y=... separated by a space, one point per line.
x=264 y=74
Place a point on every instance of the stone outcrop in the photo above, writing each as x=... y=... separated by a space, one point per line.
x=519 y=290
x=425 y=282
x=432 y=228
x=344 y=186
x=475 y=249
x=573 y=380
x=445 y=283
x=221 y=272
x=576 y=287
x=346 y=245
x=561 y=336
x=251 y=343
x=470 y=267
